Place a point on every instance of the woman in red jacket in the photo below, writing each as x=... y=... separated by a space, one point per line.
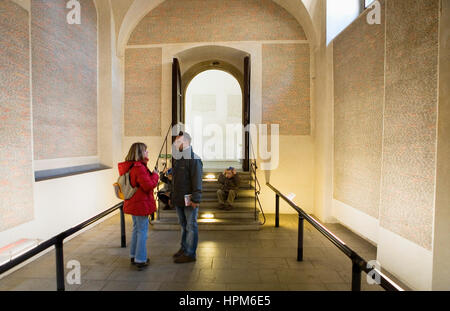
x=142 y=204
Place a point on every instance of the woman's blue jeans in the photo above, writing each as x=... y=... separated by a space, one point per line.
x=187 y=216
x=138 y=248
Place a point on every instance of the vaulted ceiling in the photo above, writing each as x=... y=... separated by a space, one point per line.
x=128 y=13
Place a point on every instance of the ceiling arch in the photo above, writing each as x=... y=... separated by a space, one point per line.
x=140 y=8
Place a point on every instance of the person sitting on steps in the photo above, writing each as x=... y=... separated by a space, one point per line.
x=230 y=182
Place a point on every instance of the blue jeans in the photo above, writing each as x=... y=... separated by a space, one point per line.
x=138 y=247
x=187 y=217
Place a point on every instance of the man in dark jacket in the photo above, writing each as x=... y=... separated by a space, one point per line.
x=186 y=195
x=230 y=183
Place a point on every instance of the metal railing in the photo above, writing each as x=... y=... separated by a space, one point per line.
x=166 y=157
x=165 y=144
x=358 y=263
x=257 y=185
x=58 y=242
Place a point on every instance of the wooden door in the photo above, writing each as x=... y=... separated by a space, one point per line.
x=246 y=112
x=177 y=95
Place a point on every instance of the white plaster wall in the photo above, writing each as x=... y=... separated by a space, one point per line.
x=322 y=98
x=406 y=260
x=63 y=203
x=295 y=174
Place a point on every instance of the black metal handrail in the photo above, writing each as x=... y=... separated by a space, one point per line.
x=165 y=144
x=358 y=263
x=162 y=148
x=58 y=240
x=254 y=168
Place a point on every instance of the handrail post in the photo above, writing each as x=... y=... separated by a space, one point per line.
x=253 y=170
x=300 y=238
x=356 y=277
x=60 y=282
x=277 y=211
x=167 y=145
x=123 y=242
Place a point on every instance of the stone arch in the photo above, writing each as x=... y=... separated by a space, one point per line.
x=197 y=59
x=209 y=57
x=213 y=64
x=140 y=8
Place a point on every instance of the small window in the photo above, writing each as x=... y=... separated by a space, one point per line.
x=340 y=14
x=368 y=3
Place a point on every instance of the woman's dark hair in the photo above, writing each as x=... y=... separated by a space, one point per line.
x=136 y=152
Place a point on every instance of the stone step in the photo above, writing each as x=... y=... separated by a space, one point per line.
x=242 y=203
x=208 y=187
x=244 y=183
x=211 y=225
x=211 y=201
x=221 y=165
x=239 y=199
x=215 y=213
x=241 y=194
x=242 y=175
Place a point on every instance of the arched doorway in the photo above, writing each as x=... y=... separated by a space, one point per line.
x=213 y=113
x=211 y=99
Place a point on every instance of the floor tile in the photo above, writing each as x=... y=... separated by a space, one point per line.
x=120 y=286
x=242 y=261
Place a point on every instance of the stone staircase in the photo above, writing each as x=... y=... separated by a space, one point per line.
x=242 y=218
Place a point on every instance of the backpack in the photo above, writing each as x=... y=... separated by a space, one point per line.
x=123 y=188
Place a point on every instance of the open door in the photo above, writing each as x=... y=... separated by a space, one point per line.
x=177 y=96
x=246 y=113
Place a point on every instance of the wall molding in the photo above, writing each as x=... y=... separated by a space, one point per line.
x=144 y=46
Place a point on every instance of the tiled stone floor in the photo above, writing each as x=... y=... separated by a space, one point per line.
x=238 y=261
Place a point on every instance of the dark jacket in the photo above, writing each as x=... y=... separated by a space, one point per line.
x=187 y=177
x=228 y=184
x=142 y=203
x=167 y=183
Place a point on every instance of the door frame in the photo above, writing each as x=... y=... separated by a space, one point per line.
x=215 y=64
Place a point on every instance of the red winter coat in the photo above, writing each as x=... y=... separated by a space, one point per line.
x=143 y=202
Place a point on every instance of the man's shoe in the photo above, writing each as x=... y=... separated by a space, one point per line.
x=228 y=207
x=179 y=253
x=132 y=261
x=184 y=259
x=221 y=206
x=141 y=265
